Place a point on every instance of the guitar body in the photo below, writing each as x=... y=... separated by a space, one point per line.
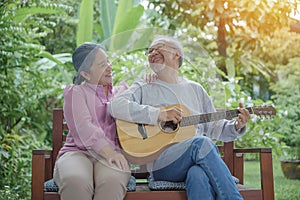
x=141 y=151
x=142 y=147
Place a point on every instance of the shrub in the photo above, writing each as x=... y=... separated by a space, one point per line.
x=30 y=88
x=15 y=169
x=287 y=99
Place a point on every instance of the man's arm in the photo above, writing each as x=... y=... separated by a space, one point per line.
x=222 y=130
x=128 y=106
x=229 y=132
x=234 y=128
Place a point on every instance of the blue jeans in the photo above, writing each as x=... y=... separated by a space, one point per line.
x=197 y=162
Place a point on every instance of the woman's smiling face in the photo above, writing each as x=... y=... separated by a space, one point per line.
x=101 y=70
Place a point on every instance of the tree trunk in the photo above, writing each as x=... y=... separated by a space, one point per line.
x=222 y=37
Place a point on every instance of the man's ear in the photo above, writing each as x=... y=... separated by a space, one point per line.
x=177 y=54
x=178 y=57
x=85 y=75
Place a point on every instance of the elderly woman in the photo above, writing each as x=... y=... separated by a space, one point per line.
x=90 y=165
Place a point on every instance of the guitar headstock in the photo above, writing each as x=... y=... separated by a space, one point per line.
x=264 y=111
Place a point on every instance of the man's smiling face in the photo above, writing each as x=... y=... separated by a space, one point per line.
x=161 y=54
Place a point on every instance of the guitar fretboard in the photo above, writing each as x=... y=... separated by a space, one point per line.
x=209 y=117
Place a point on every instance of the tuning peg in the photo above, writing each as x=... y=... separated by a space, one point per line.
x=262 y=118
x=270 y=117
x=266 y=112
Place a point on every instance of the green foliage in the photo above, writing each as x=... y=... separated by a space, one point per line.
x=129 y=66
x=113 y=24
x=127 y=11
x=24 y=87
x=60 y=28
x=108 y=14
x=260 y=133
x=250 y=19
x=127 y=19
x=15 y=160
x=9 y=194
x=243 y=29
x=287 y=98
x=279 y=47
x=30 y=88
x=85 y=25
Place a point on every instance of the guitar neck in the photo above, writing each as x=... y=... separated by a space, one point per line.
x=209 y=117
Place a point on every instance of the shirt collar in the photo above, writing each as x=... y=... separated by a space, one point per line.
x=99 y=91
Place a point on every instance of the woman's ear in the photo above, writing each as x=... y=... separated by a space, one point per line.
x=85 y=75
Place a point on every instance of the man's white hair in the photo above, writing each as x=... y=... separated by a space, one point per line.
x=174 y=42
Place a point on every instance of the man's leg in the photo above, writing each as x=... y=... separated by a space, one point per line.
x=175 y=162
x=198 y=185
x=215 y=168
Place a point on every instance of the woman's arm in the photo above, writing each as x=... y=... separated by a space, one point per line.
x=87 y=134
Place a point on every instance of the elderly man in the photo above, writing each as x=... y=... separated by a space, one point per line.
x=194 y=160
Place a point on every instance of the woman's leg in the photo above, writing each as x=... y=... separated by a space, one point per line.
x=73 y=174
x=110 y=182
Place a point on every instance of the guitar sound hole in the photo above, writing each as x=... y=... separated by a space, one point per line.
x=168 y=127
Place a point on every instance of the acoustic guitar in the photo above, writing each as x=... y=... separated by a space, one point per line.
x=142 y=143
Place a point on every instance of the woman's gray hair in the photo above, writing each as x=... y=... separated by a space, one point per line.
x=83 y=58
x=174 y=41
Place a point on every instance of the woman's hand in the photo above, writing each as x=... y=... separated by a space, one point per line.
x=119 y=160
x=114 y=158
x=243 y=117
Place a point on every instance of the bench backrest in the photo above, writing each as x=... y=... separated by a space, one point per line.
x=59 y=127
x=60 y=130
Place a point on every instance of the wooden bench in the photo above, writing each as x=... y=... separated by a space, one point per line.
x=43 y=162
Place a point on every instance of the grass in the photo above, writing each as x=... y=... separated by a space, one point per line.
x=285 y=189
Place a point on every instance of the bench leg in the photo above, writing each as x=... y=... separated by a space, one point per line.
x=38 y=177
x=267 y=182
x=238 y=170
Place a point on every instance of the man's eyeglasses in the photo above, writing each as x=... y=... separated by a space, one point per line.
x=157 y=48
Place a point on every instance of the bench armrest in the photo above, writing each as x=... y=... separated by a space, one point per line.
x=42 y=152
x=253 y=150
x=266 y=168
x=41 y=171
